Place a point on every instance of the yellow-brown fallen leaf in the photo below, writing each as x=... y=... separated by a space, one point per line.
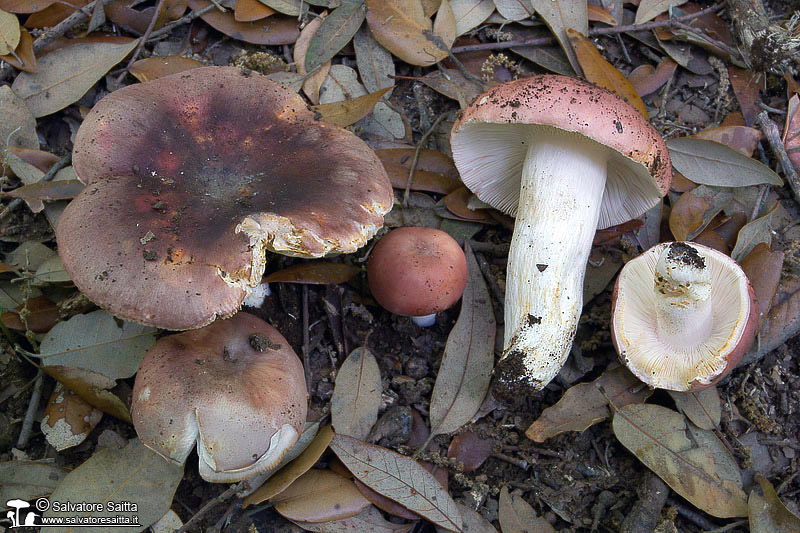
x=152 y=68
x=763 y=269
x=599 y=14
x=42 y=315
x=597 y=70
x=274 y=30
x=24 y=51
x=92 y=387
x=742 y=138
x=647 y=80
x=435 y=172
x=768 y=514
x=456 y=202
x=703 y=408
x=517 y=516
x=585 y=404
x=314 y=273
x=313 y=82
x=320 y=496
x=250 y=10
x=68 y=419
x=346 y=112
x=695 y=209
x=9 y=32
x=791 y=131
x=54 y=13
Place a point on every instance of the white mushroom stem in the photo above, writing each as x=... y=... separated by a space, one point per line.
x=424 y=321
x=682 y=296
x=563 y=179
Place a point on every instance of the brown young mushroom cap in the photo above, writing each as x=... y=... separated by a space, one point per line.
x=235 y=387
x=193 y=177
x=683 y=316
x=417 y=272
x=564 y=157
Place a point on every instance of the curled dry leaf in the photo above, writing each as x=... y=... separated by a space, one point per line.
x=320 y=496
x=25 y=58
x=400 y=478
x=65 y=75
x=130 y=474
x=152 y=68
x=68 y=419
x=695 y=465
x=92 y=387
x=435 y=172
x=647 y=80
x=336 y=30
x=741 y=138
x=402 y=28
x=517 y=516
x=763 y=269
x=346 y=112
x=768 y=514
x=271 y=31
x=370 y=519
x=285 y=477
x=464 y=375
x=314 y=81
x=791 y=131
x=314 y=273
x=597 y=70
x=753 y=233
x=703 y=408
x=587 y=403
x=695 y=209
x=357 y=395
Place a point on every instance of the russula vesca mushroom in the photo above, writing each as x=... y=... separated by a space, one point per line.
x=193 y=177
x=564 y=157
x=683 y=316
x=417 y=272
x=234 y=387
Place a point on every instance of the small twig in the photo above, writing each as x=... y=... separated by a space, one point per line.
x=538 y=41
x=30 y=414
x=164 y=30
x=730 y=526
x=497 y=250
x=206 y=508
x=773 y=136
x=491 y=283
x=51 y=173
x=519 y=463
x=414 y=162
x=306 y=341
x=142 y=40
x=691 y=515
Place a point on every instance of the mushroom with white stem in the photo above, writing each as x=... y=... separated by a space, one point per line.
x=565 y=157
x=684 y=315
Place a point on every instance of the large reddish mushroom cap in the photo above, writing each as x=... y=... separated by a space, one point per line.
x=417 y=271
x=193 y=177
x=235 y=387
x=690 y=360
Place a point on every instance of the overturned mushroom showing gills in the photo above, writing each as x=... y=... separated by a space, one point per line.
x=193 y=178
x=235 y=387
x=684 y=316
x=564 y=157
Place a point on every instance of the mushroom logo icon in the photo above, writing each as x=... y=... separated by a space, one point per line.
x=13 y=516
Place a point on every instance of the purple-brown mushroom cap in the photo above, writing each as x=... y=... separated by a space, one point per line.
x=193 y=177
x=235 y=387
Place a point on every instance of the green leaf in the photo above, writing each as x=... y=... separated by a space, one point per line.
x=132 y=474
x=335 y=32
x=712 y=163
x=98 y=343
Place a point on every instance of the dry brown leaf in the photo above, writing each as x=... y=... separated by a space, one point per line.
x=597 y=70
x=647 y=80
x=753 y=233
x=514 y=10
x=703 y=408
x=356 y=395
x=42 y=315
x=586 y=404
x=251 y=10
x=470 y=13
x=25 y=6
x=466 y=369
x=434 y=172
x=400 y=478
x=314 y=81
x=695 y=209
x=560 y=15
x=299 y=466
x=48 y=190
x=763 y=269
x=370 y=519
x=152 y=68
x=335 y=32
x=314 y=273
x=346 y=112
x=24 y=52
x=517 y=516
x=471 y=449
x=68 y=419
x=768 y=514
x=9 y=32
x=385 y=504
x=695 y=465
x=454 y=85
x=650 y=9
x=791 y=131
x=457 y=202
x=375 y=63
x=320 y=496
x=600 y=14
x=65 y=75
x=472 y=522
x=18 y=125
x=37 y=158
x=274 y=30
x=742 y=138
x=402 y=28
x=92 y=387
x=746 y=84
x=54 y=13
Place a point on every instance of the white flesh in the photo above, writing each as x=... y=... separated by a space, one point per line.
x=563 y=179
x=424 y=321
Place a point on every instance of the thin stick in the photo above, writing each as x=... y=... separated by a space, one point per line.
x=142 y=40
x=51 y=173
x=538 y=41
x=773 y=136
x=206 y=508
x=181 y=21
x=306 y=341
x=414 y=162
x=30 y=414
